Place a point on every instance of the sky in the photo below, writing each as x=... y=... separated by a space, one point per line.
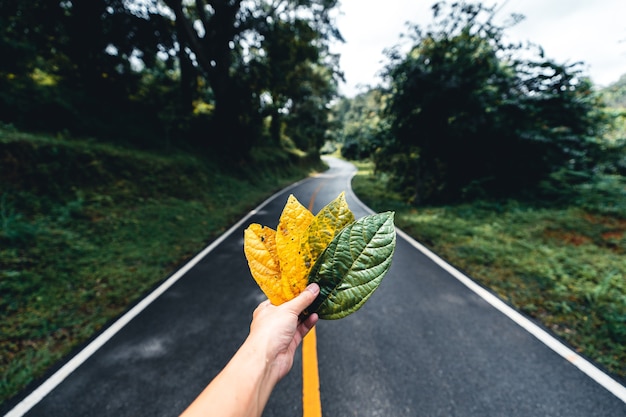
x=569 y=31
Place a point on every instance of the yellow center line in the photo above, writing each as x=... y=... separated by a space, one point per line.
x=311 y=402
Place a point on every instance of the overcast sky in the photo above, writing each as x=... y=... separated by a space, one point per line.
x=591 y=31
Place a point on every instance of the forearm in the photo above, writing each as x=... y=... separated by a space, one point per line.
x=241 y=389
x=245 y=384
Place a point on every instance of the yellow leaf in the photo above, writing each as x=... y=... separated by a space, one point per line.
x=259 y=245
x=327 y=223
x=280 y=261
x=290 y=233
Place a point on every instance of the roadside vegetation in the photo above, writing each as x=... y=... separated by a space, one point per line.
x=86 y=229
x=134 y=132
x=509 y=165
x=561 y=264
x=131 y=134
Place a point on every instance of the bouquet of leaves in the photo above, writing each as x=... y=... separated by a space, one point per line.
x=347 y=258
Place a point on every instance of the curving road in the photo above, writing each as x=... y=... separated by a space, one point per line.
x=424 y=344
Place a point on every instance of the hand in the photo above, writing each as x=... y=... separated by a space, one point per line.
x=279 y=330
x=243 y=387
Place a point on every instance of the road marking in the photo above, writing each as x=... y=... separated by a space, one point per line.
x=546 y=338
x=311 y=402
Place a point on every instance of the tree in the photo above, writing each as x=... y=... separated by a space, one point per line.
x=71 y=66
x=362 y=127
x=230 y=41
x=110 y=68
x=290 y=50
x=308 y=121
x=615 y=94
x=469 y=114
x=615 y=97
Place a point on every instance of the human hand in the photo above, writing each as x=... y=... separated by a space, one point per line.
x=243 y=387
x=278 y=330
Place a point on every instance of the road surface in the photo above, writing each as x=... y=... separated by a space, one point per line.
x=423 y=345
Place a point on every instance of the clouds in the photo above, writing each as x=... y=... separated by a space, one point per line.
x=592 y=31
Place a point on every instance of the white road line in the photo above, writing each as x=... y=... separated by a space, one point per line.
x=55 y=379
x=546 y=338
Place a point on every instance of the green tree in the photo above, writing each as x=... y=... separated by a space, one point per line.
x=468 y=114
x=72 y=67
x=235 y=43
x=212 y=72
x=289 y=47
x=615 y=97
x=308 y=121
x=615 y=94
x=362 y=127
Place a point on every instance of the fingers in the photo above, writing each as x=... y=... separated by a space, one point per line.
x=260 y=307
x=304 y=327
x=309 y=322
x=304 y=299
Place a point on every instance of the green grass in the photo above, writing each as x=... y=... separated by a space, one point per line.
x=563 y=265
x=86 y=229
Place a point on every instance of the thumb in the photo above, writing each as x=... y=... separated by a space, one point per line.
x=304 y=299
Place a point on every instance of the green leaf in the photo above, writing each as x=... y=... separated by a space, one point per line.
x=353 y=265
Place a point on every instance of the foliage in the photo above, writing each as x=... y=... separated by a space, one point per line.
x=72 y=70
x=347 y=258
x=254 y=55
x=615 y=97
x=308 y=120
x=615 y=94
x=561 y=264
x=361 y=125
x=171 y=73
x=298 y=86
x=470 y=114
x=353 y=265
x=87 y=228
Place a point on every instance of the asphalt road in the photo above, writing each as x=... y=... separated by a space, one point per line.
x=423 y=345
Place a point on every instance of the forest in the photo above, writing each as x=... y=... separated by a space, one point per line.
x=121 y=117
x=224 y=76
x=463 y=112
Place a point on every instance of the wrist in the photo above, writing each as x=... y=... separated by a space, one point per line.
x=259 y=366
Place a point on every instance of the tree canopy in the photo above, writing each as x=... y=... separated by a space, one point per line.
x=615 y=94
x=213 y=72
x=469 y=113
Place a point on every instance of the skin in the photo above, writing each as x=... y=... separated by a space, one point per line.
x=244 y=386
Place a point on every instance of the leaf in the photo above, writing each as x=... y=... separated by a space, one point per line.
x=259 y=245
x=327 y=223
x=349 y=258
x=291 y=230
x=353 y=265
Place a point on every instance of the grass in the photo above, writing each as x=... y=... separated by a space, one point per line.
x=564 y=265
x=87 y=228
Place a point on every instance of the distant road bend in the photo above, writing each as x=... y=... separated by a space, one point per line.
x=429 y=342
